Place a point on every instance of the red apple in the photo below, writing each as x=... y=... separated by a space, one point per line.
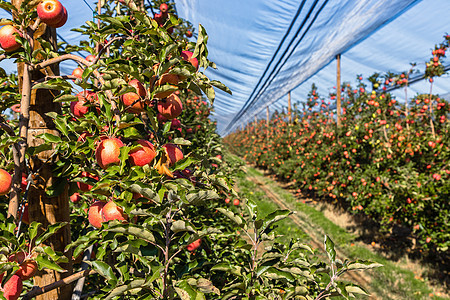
x=227 y=200
x=108 y=151
x=111 y=211
x=83 y=136
x=171 y=107
x=51 y=12
x=175 y=124
x=75 y=198
x=95 y=214
x=8 y=39
x=143 y=155
x=174 y=153
x=5 y=182
x=236 y=202
x=84 y=186
x=90 y=58
x=63 y=20
x=131 y=97
x=27 y=269
x=13 y=288
x=78 y=73
x=187 y=56
x=194 y=245
x=78 y=109
x=163 y=8
x=188 y=33
x=16 y=108
x=88 y=96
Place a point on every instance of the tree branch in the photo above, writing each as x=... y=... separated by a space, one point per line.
x=42 y=290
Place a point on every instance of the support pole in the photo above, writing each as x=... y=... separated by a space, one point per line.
x=42 y=208
x=289 y=107
x=267 y=116
x=338 y=90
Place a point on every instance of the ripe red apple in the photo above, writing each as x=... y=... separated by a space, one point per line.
x=171 y=107
x=78 y=109
x=95 y=214
x=163 y=8
x=175 y=124
x=174 y=153
x=129 y=98
x=8 y=39
x=84 y=186
x=143 y=155
x=90 y=58
x=187 y=56
x=75 y=198
x=161 y=118
x=87 y=96
x=188 y=33
x=5 y=182
x=111 y=211
x=63 y=20
x=227 y=200
x=194 y=245
x=171 y=79
x=51 y=12
x=78 y=73
x=108 y=151
x=83 y=136
x=236 y=202
x=27 y=269
x=13 y=288
x=16 y=108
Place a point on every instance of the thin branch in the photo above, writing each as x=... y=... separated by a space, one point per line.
x=35 y=291
x=47 y=78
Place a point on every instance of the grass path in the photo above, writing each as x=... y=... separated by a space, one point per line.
x=393 y=281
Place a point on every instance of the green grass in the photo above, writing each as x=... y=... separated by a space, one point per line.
x=388 y=282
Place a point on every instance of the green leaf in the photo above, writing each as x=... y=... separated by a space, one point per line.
x=206 y=286
x=179 y=226
x=356 y=289
x=236 y=218
x=43 y=262
x=131 y=229
x=51 y=230
x=120 y=290
x=274 y=273
x=50 y=138
x=329 y=247
x=104 y=270
x=274 y=217
x=145 y=190
x=202 y=196
x=363 y=265
x=65 y=98
x=181 y=141
x=33 y=229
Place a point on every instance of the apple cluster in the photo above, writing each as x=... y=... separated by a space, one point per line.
x=50 y=12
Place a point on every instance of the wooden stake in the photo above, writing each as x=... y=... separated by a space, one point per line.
x=338 y=90
x=267 y=116
x=42 y=208
x=289 y=107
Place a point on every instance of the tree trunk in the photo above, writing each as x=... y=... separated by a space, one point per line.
x=42 y=208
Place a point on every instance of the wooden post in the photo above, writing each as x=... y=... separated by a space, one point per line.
x=267 y=116
x=289 y=107
x=338 y=90
x=42 y=208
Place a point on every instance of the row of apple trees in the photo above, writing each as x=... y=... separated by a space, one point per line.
x=389 y=160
